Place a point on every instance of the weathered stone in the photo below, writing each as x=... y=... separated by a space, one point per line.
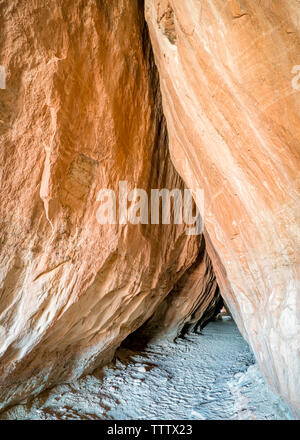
x=193 y=302
x=81 y=111
x=232 y=103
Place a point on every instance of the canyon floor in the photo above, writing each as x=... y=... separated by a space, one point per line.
x=209 y=376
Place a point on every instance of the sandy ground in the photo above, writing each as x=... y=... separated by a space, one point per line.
x=208 y=377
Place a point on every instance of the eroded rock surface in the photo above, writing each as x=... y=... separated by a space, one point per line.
x=232 y=104
x=81 y=111
x=193 y=302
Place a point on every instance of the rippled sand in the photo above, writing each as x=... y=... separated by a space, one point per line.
x=209 y=376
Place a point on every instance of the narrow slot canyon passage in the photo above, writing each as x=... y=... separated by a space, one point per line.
x=207 y=376
x=149 y=171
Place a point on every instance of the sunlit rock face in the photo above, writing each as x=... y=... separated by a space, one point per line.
x=81 y=111
x=229 y=74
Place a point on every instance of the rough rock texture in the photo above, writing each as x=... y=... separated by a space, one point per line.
x=233 y=116
x=193 y=302
x=81 y=111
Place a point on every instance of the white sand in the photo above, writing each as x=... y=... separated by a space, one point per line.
x=209 y=376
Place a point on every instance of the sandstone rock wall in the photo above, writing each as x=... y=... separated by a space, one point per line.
x=193 y=302
x=232 y=103
x=81 y=111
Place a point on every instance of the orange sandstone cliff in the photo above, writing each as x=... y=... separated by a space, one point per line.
x=81 y=111
x=232 y=102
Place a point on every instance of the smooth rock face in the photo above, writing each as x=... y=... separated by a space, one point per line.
x=232 y=103
x=81 y=111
